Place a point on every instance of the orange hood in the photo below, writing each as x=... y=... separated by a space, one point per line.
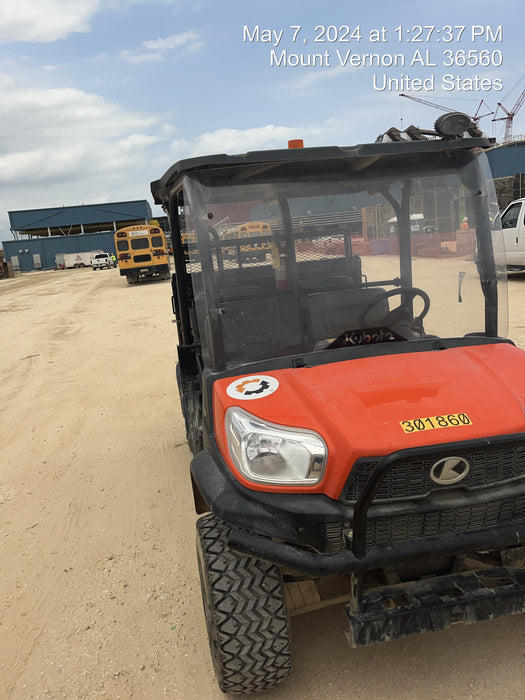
x=373 y=406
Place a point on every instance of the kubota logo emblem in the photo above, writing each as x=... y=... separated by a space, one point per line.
x=449 y=470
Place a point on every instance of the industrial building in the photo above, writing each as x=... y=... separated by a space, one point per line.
x=507 y=163
x=40 y=234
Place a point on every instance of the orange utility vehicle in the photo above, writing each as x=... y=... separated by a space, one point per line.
x=355 y=411
x=142 y=253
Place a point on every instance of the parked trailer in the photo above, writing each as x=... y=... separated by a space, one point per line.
x=80 y=259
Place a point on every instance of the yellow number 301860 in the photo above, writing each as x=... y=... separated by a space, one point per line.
x=452 y=420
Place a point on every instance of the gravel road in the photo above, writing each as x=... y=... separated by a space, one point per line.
x=99 y=592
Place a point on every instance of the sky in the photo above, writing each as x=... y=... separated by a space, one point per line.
x=100 y=97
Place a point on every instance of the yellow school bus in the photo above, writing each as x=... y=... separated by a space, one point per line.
x=142 y=253
x=254 y=249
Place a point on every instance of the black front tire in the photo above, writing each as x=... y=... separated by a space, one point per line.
x=246 y=614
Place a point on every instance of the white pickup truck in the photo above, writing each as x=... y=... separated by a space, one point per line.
x=513 y=225
x=101 y=260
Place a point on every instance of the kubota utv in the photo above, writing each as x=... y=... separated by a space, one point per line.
x=355 y=411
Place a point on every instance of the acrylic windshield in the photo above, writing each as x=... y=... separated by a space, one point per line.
x=294 y=259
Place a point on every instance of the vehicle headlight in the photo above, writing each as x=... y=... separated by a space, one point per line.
x=272 y=454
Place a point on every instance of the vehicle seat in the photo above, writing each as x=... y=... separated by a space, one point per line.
x=338 y=310
x=259 y=328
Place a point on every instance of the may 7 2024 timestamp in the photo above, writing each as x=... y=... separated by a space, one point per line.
x=457 y=48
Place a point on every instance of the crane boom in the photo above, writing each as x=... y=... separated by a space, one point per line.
x=475 y=118
x=510 y=116
x=426 y=102
x=519 y=103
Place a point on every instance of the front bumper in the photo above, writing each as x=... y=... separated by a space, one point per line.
x=290 y=530
x=433 y=604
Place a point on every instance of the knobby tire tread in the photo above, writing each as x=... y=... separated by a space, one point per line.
x=246 y=613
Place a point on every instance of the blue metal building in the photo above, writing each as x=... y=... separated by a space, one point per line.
x=39 y=234
x=39 y=253
x=507 y=160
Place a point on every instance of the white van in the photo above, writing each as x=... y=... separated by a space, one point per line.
x=513 y=225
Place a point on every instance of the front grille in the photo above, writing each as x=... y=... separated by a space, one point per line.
x=411 y=479
x=389 y=529
x=334 y=536
x=414 y=526
x=408 y=481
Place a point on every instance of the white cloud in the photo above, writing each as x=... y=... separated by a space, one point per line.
x=174 y=41
x=178 y=5
x=50 y=20
x=304 y=82
x=189 y=41
x=136 y=58
x=44 y=20
x=51 y=117
x=65 y=146
x=241 y=140
x=344 y=127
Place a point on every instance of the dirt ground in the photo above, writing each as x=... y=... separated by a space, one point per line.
x=99 y=591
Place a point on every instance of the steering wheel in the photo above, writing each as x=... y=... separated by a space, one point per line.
x=400 y=314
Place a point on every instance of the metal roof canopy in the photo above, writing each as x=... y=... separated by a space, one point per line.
x=38 y=222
